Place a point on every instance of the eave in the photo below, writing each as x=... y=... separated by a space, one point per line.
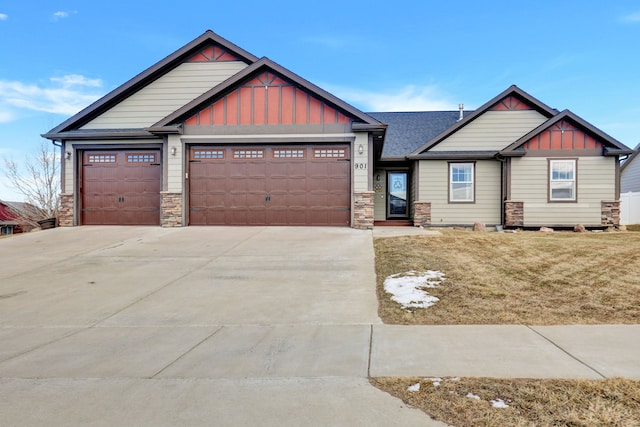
x=455 y=155
x=89 y=134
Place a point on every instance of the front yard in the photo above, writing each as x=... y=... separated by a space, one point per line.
x=529 y=278
x=523 y=278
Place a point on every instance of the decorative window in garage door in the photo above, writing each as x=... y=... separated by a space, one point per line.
x=141 y=158
x=248 y=154
x=289 y=153
x=208 y=154
x=325 y=153
x=102 y=158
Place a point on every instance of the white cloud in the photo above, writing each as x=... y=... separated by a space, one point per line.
x=631 y=18
x=61 y=15
x=3 y=16
x=407 y=98
x=63 y=95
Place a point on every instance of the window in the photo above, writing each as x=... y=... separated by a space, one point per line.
x=562 y=180
x=461 y=185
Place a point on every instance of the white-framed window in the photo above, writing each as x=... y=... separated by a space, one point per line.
x=562 y=180
x=461 y=182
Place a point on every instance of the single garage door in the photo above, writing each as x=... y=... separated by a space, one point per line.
x=121 y=187
x=269 y=185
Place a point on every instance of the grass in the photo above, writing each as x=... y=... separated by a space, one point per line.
x=522 y=278
x=608 y=402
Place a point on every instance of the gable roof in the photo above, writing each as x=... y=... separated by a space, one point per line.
x=167 y=124
x=408 y=130
x=613 y=147
x=630 y=158
x=144 y=78
x=513 y=90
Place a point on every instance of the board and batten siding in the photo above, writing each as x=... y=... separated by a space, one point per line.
x=434 y=188
x=630 y=176
x=360 y=162
x=595 y=183
x=165 y=95
x=493 y=130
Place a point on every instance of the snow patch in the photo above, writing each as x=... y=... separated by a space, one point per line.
x=473 y=396
x=415 y=387
x=407 y=289
x=499 y=403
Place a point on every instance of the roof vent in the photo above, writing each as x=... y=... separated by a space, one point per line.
x=461 y=108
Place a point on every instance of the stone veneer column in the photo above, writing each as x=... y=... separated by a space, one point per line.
x=514 y=214
x=65 y=214
x=170 y=209
x=610 y=213
x=363 y=209
x=421 y=214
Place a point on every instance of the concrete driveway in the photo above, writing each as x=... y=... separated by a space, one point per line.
x=190 y=326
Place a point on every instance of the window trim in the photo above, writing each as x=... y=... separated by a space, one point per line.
x=450 y=182
x=550 y=180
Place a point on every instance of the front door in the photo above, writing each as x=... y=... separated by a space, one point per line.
x=397 y=203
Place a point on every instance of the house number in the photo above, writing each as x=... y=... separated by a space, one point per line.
x=360 y=165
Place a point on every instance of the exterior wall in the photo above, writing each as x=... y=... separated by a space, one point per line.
x=434 y=185
x=363 y=209
x=360 y=162
x=493 y=130
x=165 y=95
x=595 y=183
x=171 y=209
x=66 y=214
x=630 y=176
x=174 y=165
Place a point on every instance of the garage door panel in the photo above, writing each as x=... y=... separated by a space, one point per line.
x=120 y=188
x=277 y=186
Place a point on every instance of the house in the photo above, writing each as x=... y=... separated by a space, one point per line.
x=630 y=173
x=17 y=217
x=213 y=135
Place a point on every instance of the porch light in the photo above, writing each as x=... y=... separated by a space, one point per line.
x=67 y=155
x=360 y=149
x=173 y=151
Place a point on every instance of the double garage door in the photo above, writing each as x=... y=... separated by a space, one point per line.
x=269 y=185
x=228 y=185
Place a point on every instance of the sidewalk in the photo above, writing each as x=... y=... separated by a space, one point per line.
x=512 y=351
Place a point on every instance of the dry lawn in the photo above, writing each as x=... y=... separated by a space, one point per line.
x=608 y=402
x=523 y=278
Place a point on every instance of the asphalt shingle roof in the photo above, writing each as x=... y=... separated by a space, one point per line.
x=408 y=131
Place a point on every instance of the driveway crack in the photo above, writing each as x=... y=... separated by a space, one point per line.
x=186 y=352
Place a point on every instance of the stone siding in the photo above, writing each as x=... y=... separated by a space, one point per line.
x=363 y=209
x=65 y=215
x=610 y=213
x=421 y=214
x=514 y=214
x=171 y=209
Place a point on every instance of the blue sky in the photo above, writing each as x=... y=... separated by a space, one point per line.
x=56 y=57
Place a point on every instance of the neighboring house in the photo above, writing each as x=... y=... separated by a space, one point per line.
x=17 y=217
x=630 y=173
x=212 y=135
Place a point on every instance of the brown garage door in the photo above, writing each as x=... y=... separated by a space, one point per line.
x=269 y=185
x=121 y=188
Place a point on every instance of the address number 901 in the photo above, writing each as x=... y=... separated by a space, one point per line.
x=360 y=165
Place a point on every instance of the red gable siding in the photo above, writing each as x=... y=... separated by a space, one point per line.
x=213 y=53
x=562 y=136
x=511 y=102
x=267 y=99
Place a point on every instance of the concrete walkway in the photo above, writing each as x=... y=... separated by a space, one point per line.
x=239 y=326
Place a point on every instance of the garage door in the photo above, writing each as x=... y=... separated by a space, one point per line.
x=121 y=188
x=269 y=185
